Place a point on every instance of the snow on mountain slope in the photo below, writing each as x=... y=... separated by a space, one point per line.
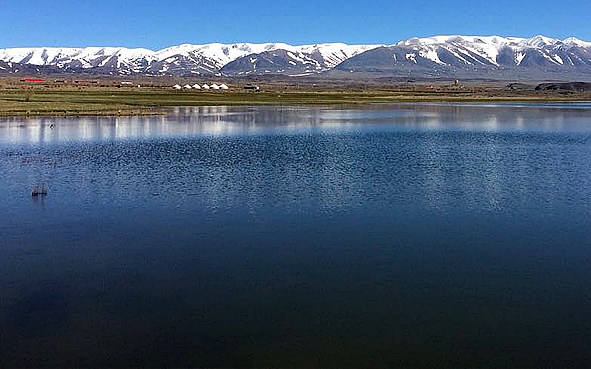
x=9 y=68
x=333 y=54
x=295 y=60
x=275 y=62
x=573 y=41
x=436 y=53
x=475 y=50
x=185 y=58
x=491 y=57
x=88 y=57
x=218 y=54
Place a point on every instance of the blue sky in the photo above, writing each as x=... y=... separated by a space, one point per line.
x=158 y=24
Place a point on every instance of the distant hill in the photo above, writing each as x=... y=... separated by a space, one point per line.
x=569 y=86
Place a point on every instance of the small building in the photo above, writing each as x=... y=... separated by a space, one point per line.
x=223 y=86
x=213 y=86
x=177 y=87
x=187 y=86
x=196 y=86
x=251 y=87
x=205 y=86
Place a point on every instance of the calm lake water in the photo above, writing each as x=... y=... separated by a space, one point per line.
x=397 y=235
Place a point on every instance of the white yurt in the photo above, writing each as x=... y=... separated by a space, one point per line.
x=188 y=87
x=214 y=86
x=177 y=87
x=196 y=86
x=205 y=86
x=223 y=86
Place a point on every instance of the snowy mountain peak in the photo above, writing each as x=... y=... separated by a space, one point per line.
x=540 y=41
x=573 y=41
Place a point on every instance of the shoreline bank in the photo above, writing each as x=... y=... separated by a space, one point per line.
x=114 y=102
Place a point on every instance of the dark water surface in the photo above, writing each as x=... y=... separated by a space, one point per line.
x=406 y=235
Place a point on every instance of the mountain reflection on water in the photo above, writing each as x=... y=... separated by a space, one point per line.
x=216 y=120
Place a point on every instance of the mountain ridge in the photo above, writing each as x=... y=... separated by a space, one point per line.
x=180 y=59
x=444 y=56
x=488 y=57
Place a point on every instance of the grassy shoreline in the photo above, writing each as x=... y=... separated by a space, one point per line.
x=112 y=101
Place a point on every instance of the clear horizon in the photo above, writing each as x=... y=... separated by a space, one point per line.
x=271 y=42
x=154 y=25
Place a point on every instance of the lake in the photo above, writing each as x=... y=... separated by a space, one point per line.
x=393 y=235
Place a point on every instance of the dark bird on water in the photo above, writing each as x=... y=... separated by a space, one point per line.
x=36 y=191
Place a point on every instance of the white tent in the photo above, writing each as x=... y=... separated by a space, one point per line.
x=177 y=87
x=205 y=86
x=223 y=86
x=196 y=86
x=188 y=87
x=214 y=86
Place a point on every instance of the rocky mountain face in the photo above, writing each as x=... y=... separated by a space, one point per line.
x=295 y=61
x=485 y=57
x=18 y=69
x=275 y=62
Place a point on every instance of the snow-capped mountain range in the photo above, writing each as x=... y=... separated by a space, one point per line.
x=437 y=56
x=184 y=59
x=478 y=56
x=494 y=50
